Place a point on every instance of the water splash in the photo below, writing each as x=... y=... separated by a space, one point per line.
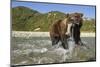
x=40 y=51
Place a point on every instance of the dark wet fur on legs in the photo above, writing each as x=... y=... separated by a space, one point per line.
x=64 y=43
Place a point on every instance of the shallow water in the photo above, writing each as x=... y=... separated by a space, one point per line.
x=38 y=50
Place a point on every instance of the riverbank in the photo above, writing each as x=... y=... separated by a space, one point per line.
x=44 y=34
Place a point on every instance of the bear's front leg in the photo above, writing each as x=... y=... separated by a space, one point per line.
x=55 y=40
x=64 y=42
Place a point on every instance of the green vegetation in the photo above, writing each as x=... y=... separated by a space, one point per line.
x=89 y=26
x=26 y=19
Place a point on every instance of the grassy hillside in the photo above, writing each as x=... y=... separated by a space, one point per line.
x=26 y=19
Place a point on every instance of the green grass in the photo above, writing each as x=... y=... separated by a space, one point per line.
x=26 y=19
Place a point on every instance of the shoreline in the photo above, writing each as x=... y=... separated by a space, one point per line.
x=43 y=34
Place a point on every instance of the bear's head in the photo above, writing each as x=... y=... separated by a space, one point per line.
x=75 y=18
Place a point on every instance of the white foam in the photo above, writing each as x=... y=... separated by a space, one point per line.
x=40 y=50
x=71 y=45
x=44 y=50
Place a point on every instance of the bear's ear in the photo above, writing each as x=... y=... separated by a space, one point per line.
x=81 y=14
x=67 y=15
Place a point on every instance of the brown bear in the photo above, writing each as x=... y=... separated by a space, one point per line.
x=60 y=30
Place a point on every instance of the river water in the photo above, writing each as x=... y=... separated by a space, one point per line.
x=38 y=50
